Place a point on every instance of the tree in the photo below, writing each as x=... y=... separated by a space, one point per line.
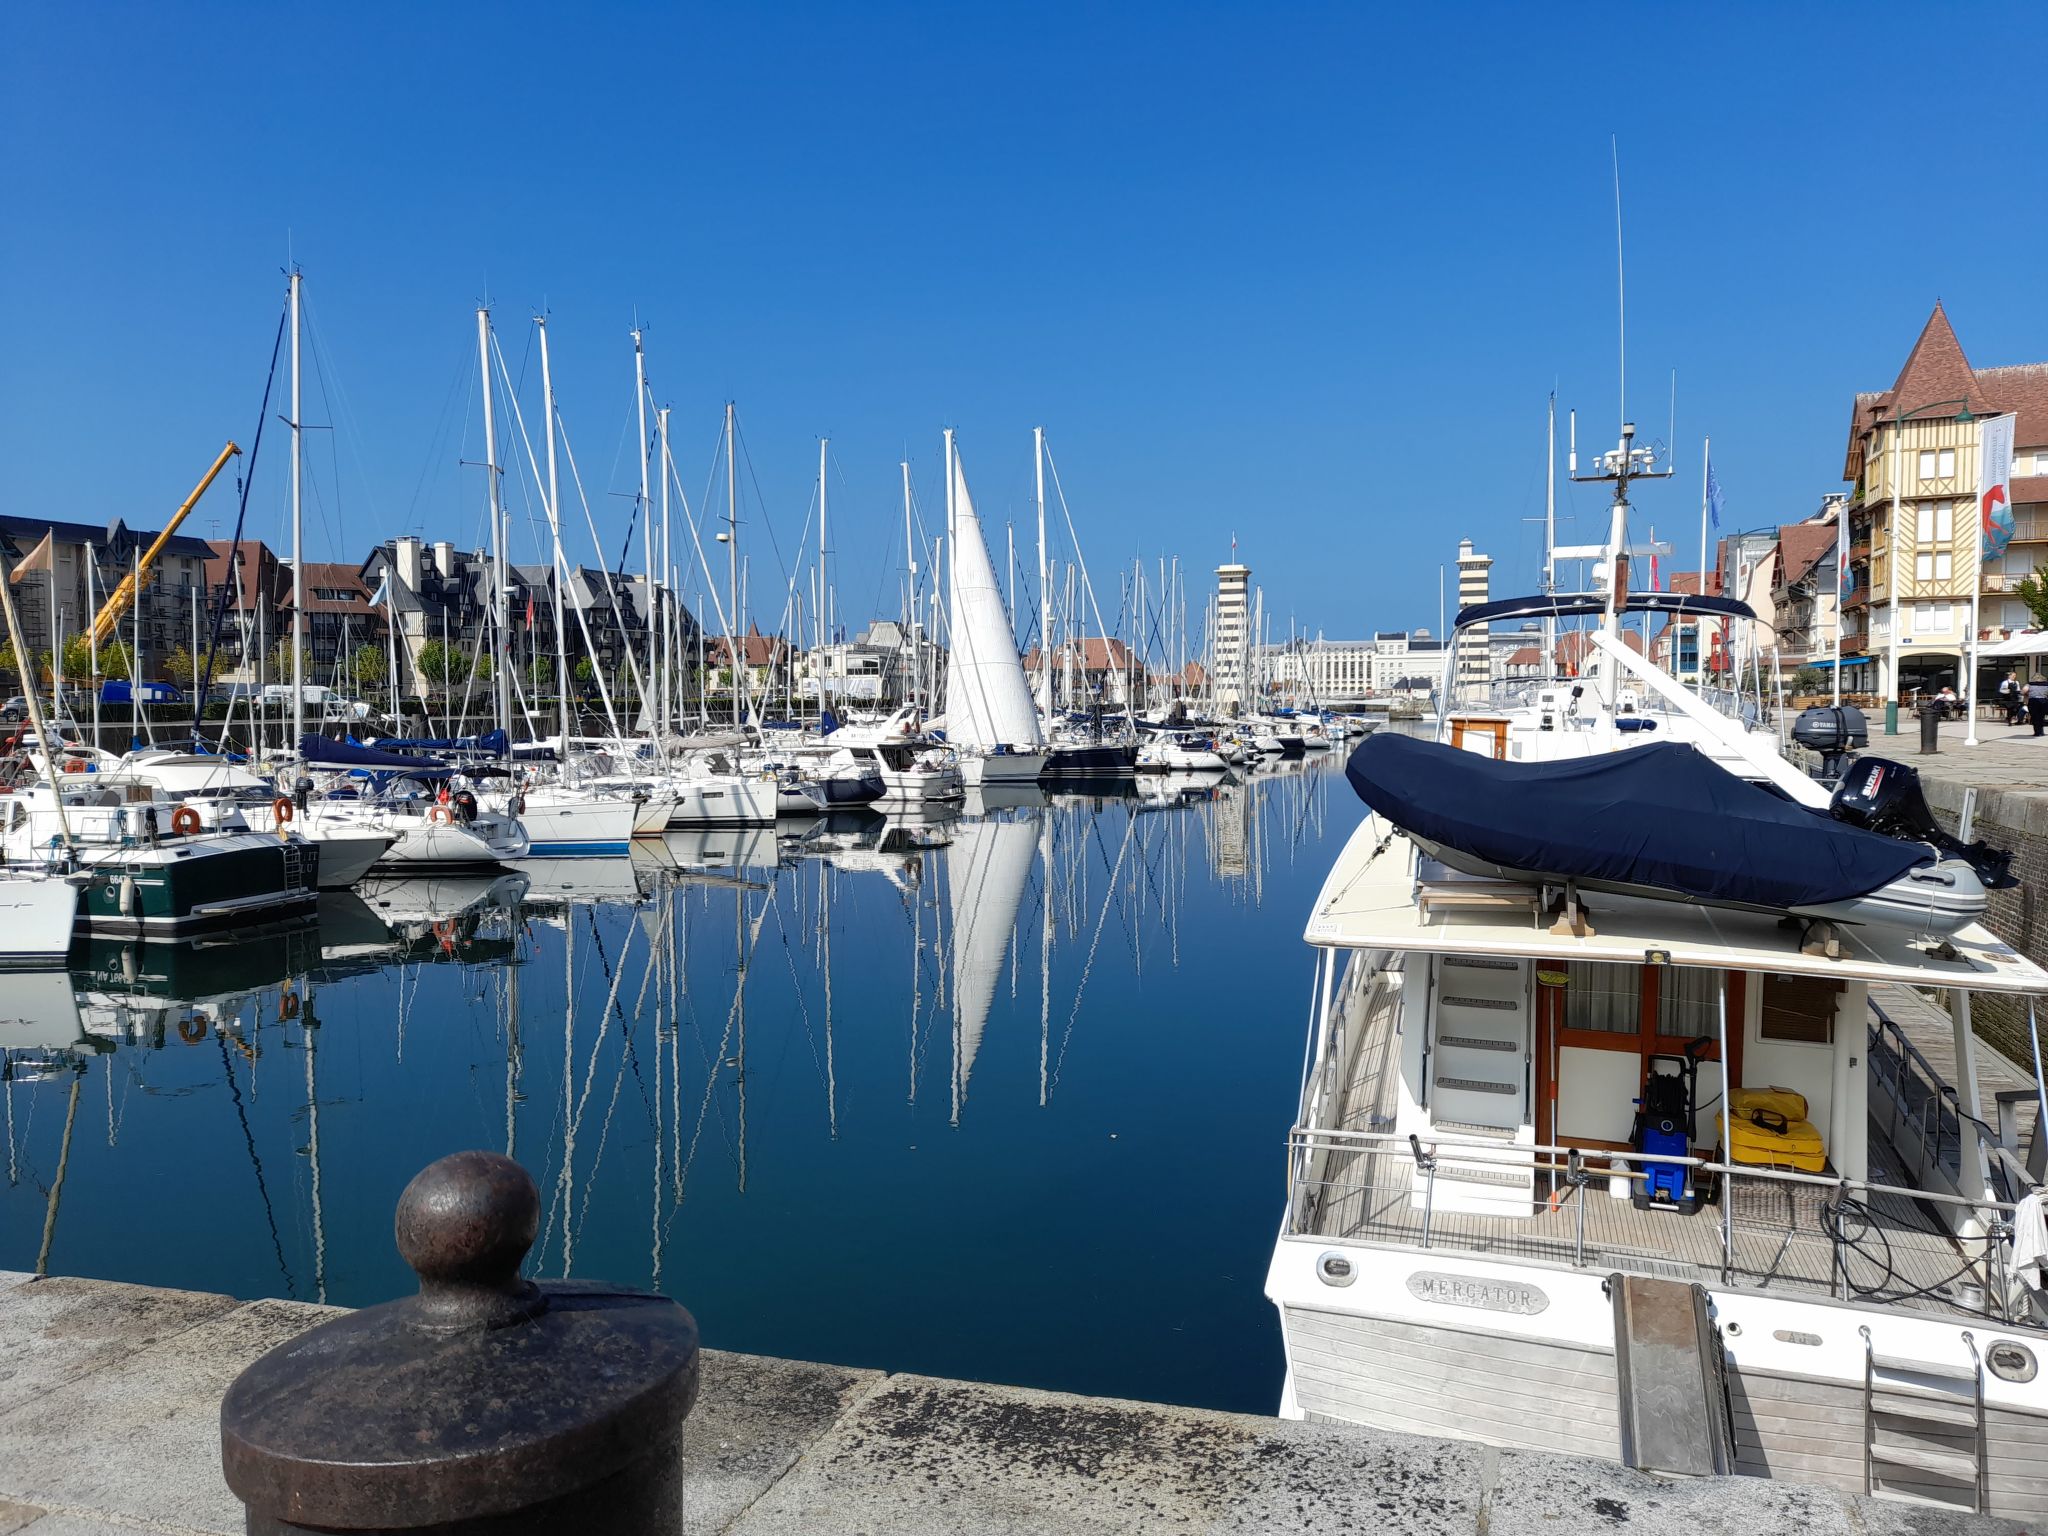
x=368 y=667
x=2033 y=591
x=443 y=666
x=10 y=663
x=281 y=663
x=1809 y=680
x=585 y=671
x=79 y=658
x=179 y=667
x=540 y=671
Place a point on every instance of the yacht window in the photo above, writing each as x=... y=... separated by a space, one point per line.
x=1799 y=1009
x=1688 y=1002
x=1604 y=997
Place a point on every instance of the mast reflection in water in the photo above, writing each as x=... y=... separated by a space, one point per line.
x=991 y=1096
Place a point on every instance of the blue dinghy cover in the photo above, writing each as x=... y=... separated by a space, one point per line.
x=1664 y=816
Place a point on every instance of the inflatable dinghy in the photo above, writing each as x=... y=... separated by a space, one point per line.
x=1667 y=822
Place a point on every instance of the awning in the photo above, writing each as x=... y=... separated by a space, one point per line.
x=2034 y=644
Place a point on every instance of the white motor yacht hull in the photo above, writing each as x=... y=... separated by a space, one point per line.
x=425 y=843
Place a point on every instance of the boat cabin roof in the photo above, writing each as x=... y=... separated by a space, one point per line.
x=1378 y=896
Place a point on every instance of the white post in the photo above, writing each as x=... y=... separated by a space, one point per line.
x=1842 y=564
x=1976 y=597
x=298 y=541
x=1897 y=616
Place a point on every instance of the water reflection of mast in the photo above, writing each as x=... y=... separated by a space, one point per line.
x=310 y=1030
x=825 y=929
x=739 y=897
x=1044 y=947
x=57 y=1184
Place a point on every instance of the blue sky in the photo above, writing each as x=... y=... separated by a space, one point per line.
x=1302 y=274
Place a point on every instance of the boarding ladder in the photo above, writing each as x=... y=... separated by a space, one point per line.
x=1477 y=1070
x=1923 y=1428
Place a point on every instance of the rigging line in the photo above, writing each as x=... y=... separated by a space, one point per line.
x=291 y=1285
x=243 y=484
x=625 y=1024
x=435 y=447
x=760 y=501
x=1088 y=966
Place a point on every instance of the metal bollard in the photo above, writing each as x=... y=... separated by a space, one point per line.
x=485 y=1404
x=1930 y=728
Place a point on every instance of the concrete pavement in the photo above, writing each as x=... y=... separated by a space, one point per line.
x=110 y=1396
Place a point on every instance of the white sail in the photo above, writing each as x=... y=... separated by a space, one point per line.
x=988 y=701
x=988 y=865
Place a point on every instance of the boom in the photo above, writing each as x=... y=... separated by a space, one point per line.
x=122 y=598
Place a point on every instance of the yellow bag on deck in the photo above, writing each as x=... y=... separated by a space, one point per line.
x=1797 y=1147
x=1780 y=1101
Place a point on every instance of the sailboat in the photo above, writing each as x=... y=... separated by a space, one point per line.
x=988 y=867
x=991 y=720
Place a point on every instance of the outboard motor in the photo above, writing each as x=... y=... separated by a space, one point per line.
x=465 y=807
x=302 y=793
x=1833 y=731
x=1883 y=796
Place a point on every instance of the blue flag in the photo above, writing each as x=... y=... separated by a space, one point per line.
x=1713 y=497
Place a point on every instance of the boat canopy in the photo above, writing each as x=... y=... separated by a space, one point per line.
x=1586 y=605
x=1665 y=816
x=490 y=743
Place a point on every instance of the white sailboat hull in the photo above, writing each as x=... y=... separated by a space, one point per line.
x=36 y=917
x=1018 y=766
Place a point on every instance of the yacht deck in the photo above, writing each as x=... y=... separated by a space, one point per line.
x=1897 y=1247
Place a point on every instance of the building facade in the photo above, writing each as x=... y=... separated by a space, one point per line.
x=1233 y=633
x=1474 y=662
x=1912 y=464
x=86 y=564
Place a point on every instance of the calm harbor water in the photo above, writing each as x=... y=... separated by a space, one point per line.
x=1001 y=1096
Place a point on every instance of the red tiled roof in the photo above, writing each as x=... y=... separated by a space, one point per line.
x=1800 y=548
x=757 y=649
x=1094 y=654
x=1574 y=648
x=1527 y=656
x=2022 y=390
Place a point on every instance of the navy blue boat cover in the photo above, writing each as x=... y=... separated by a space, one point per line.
x=1664 y=816
x=322 y=752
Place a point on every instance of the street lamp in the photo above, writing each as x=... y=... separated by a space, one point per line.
x=1891 y=704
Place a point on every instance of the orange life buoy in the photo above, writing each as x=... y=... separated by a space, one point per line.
x=288 y=1006
x=184 y=821
x=445 y=932
x=191 y=1029
x=283 y=810
x=442 y=814
x=74 y=765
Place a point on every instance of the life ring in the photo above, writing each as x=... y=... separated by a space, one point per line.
x=184 y=821
x=74 y=765
x=442 y=814
x=191 y=1029
x=283 y=810
x=288 y=1006
x=445 y=932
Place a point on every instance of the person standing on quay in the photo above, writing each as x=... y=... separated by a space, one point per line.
x=2037 y=702
x=2009 y=697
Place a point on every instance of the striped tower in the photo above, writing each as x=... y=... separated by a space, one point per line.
x=1474 y=663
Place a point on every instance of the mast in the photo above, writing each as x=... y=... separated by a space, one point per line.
x=663 y=625
x=1044 y=591
x=732 y=554
x=298 y=535
x=821 y=615
x=547 y=389
x=1550 y=542
x=910 y=604
x=500 y=620
x=642 y=511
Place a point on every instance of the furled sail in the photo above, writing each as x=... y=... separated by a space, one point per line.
x=988 y=701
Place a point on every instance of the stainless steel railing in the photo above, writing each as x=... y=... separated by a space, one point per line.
x=1847 y=1239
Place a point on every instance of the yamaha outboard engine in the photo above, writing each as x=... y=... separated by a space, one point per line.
x=1833 y=731
x=302 y=793
x=1884 y=796
x=465 y=807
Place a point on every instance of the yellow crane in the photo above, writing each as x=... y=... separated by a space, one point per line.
x=122 y=598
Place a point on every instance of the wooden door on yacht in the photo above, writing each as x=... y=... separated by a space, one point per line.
x=1597 y=1026
x=1488 y=738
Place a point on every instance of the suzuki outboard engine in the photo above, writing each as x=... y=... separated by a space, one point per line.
x=1884 y=796
x=1833 y=731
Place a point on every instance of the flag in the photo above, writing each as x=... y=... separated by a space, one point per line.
x=1653 y=575
x=529 y=610
x=1713 y=497
x=1994 y=485
x=383 y=592
x=1845 y=575
x=37 y=559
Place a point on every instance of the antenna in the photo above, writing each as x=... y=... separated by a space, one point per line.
x=1620 y=282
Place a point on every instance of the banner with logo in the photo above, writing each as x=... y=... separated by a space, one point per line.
x=1994 y=485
